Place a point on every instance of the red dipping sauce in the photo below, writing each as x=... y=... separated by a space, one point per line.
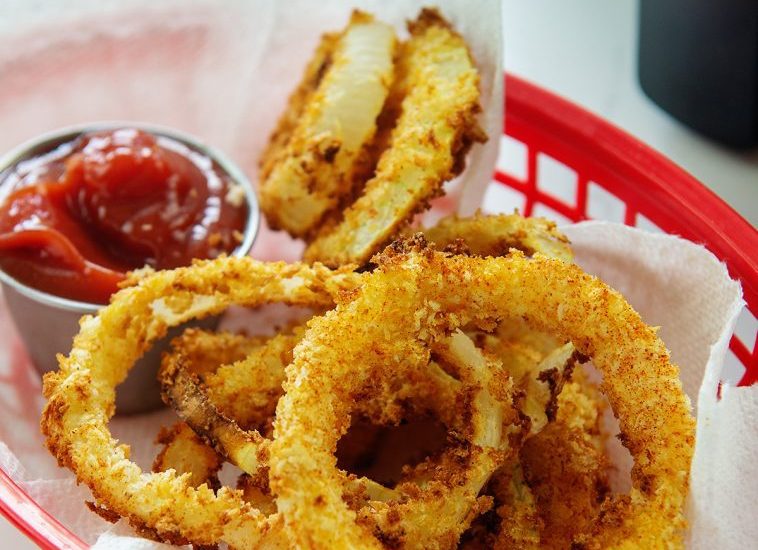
x=74 y=220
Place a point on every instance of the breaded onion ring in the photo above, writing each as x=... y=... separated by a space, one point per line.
x=305 y=178
x=482 y=424
x=81 y=394
x=566 y=468
x=496 y=234
x=438 y=294
x=257 y=380
x=230 y=404
x=436 y=127
x=230 y=384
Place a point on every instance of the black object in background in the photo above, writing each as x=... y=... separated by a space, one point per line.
x=698 y=60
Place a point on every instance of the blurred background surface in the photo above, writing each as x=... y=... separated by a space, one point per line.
x=586 y=51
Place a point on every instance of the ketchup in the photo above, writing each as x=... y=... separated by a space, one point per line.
x=76 y=219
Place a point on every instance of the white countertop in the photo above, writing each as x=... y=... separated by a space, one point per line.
x=585 y=50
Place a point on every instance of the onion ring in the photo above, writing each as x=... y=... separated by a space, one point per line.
x=434 y=131
x=496 y=234
x=449 y=486
x=325 y=146
x=81 y=394
x=258 y=377
x=443 y=293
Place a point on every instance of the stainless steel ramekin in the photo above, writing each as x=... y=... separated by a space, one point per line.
x=48 y=323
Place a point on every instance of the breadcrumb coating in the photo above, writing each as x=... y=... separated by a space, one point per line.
x=495 y=234
x=319 y=146
x=445 y=292
x=81 y=395
x=436 y=127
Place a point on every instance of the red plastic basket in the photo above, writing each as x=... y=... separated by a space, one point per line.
x=652 y=191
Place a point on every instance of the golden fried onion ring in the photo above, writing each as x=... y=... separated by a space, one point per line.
x=436 y=127
x=233 y=401
x=449 y=486
x=241 y=394
x=438 y=294
x=495 y=234
x=312 y=160
x=257 y=379
x=81 y=394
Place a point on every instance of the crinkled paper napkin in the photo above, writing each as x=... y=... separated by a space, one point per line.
x=225 y=75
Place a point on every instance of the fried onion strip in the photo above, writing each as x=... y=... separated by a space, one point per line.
x=325 y=147
x=434 y=131
x=185 y=453
x=383 y=352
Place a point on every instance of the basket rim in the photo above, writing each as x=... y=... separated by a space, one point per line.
x=689 y=203
x=34 y=521
x=597 y=137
